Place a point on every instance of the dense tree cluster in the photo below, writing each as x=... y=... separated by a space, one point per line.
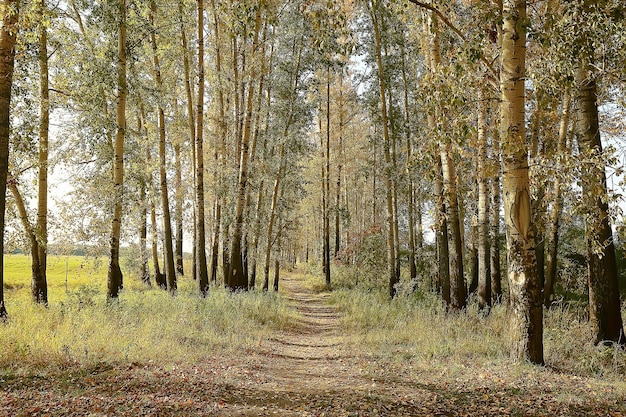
x=397 y=136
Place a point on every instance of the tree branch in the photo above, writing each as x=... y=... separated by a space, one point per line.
x=446 y=21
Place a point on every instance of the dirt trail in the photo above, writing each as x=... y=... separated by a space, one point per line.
x=309 y=370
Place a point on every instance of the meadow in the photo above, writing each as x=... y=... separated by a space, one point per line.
x=80 y=328
x=152 y=354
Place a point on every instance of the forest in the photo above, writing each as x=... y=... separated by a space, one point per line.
x=339 y=207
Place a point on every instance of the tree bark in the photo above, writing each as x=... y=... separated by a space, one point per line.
x=8 y=34
x=191 y=126
x=115 y=278
x=484 y=279
x=144 y=272
x=159 y=277
x=178 y=213
x=391 y=239
x=220 y=150
x=201 y=262
x=326 y=185
x=410 y=183
x=604 y=299
x=38 y=288
x=557 y=203
x=238 y=280
x=494 y=214
x=170 y=266
x=458 y=290
x=525 y=289
x=39 y=284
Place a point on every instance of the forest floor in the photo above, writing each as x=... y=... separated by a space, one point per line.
x=312 y=369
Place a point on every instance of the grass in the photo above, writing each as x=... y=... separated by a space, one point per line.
x=416 y=327
x=80 y=328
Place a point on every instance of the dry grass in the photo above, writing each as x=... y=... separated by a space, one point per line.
x=416 y=327
x=81 y=329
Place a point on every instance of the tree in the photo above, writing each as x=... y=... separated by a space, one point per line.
x=604 y=299
x=238 y=279
x=170 y=270
x=525 y=290
x=8 y=34
x=484 y=277
x=114 y=283
x=373 y=9
x=201 y=263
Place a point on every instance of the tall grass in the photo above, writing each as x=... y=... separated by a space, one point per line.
x=416 y=327
x=81 y=328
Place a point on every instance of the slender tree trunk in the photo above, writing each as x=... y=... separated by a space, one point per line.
x=39 y=285
x=39 y=293
x=201 y=263
x=484 y=278
x=441 y=224
x=114 y=281
x=391 y=253
x=144 y=180
x=159 y=277
x=144 y=271
x=557 y=203
x=326 y=185
x=191 y=125
x=220 y=149
x=238 y=280
x=525 y=289
x=170 y=266
x=458 y=290
x=178 y=214
x=494 y=214
x=539 y=208
x=276 y=274
x=339 y=169
x=257 y=227
x=604 y=298
x=8 y=34
x=410 y=192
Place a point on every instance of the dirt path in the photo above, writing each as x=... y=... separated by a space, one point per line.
x=309 y=370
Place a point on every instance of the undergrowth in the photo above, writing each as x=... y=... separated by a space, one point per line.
x=80 y=328
x=415 y=326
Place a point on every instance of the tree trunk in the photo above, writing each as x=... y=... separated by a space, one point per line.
x=442 y=282
x=604 y=298
x=326 y=185
x=484 y=278
x=144 y=271
x=40 y=286
x=191 y=125
x=276 y=274
x=201 y=264
x=220 y=150
x=39 y=291
x=339 y=169
x=170 y=266
x=410 y=192
x=8 y=34
x=115 y=278
x=525 y=289
x=391 y=239
x=238 y=280
x=494 y=214
x=557 y=203
x=178 y=214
